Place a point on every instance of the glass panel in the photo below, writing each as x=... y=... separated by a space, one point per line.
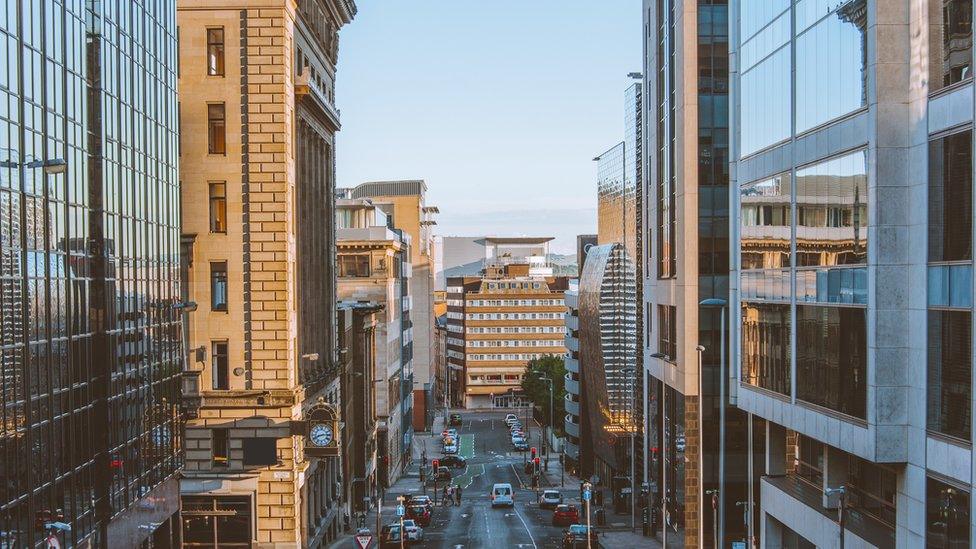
x=831 y=358
x=765 y=223
x=949 y=372
x=950 y=197
x=756 y=15
x=947 y=516
x=830 y=65
x=765 y=103
x=832 y=212
x=951 y=42
x=961 y=286
x=938 y=285
x=766 y=346
x=766 y=42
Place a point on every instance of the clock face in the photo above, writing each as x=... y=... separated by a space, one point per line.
x=321 y=434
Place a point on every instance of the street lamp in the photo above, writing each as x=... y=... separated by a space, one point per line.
x=841 y=493
x=631 y=373
x=722 y=304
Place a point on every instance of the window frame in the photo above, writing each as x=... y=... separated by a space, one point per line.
x=215 y=124
x=219 y=374
x=215 y=201
x=216 y=51
x=216 y=268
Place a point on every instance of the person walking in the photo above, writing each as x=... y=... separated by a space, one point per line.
x=444 y=496
x=457 y=494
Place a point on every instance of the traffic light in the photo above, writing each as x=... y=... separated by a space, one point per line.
x=435 y=463
x=533 y=452
x=536 y=461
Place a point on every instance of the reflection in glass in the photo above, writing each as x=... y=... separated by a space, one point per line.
x=950 y=197
x=949 y=372
x=765 y=103
x=951 y=43
x=766 y=346
x=831 y=358
x=831 y=61
x=947 y=512
x=832 y=220
x=765 y=223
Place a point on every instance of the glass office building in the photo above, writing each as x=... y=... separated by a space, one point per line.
x=90 y=329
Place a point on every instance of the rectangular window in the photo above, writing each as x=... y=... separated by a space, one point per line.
x=766 y=346
x=950 y=197
x=809 y=462
x=832 y=212
x=831 y=358
x=951 y=43
x=872 y=488
x=216 y=129
x=261 y=451
x=947 y=514
x=354 y=265
x=219 y=360
x=215 y=52
x=950 y=373
x=218 y=286
x=667 y=331
x=220 y=443
x=218 y=207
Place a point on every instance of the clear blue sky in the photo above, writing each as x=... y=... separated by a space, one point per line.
x=500 y=105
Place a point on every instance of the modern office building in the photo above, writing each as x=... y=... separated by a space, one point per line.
x=257 y=161
x=90 y=310
x=498 y=322
x=853 y=169
x=405 y=202
x=572 y=446
x=695 y=442
x=374 y=267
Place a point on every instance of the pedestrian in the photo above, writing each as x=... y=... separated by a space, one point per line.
x=457 y=494
x=444 y=496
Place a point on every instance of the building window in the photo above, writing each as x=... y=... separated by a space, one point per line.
x=832 y=212
x=952 y=44
x=766 y=346
x=218 y=207
x=216 y=128
x=223 y=521
x=667 y=332
x=809 y=461
x=215 y=52
x=218 y=286
x=950 y=197
x=220 y=366
x=947 y=514
x=220 y=446
x=873 y=489
x=950 y=373
x=831 y=358
x=354 y=265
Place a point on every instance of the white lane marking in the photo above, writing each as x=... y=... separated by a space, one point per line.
x=526 y=526
x=470 y=480
x=514 y=470
x=487 y=528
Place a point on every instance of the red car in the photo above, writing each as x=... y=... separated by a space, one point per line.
x=419 y=513
x=565 y=515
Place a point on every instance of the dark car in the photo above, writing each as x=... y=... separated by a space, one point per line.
x=453 y=460
x=390 y=536
x=575 y=536
x=564 y=515
x=455 y=420
x=419 y=513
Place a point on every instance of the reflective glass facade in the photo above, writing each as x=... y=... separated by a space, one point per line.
x=89 y=273
x=951 y=43
x=828 y=42
x=665 y=153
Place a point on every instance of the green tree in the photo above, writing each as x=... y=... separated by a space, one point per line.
x=537 y=390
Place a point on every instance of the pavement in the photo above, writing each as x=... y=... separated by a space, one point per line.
x=485 y=443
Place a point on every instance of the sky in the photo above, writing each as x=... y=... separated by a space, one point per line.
x=499 y=105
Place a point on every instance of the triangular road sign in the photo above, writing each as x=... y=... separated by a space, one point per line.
x=363 y=540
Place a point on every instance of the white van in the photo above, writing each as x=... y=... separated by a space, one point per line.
x=502 y=494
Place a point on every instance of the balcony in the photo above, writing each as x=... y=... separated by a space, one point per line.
x=572 y=385
x=572 y=322
x=572 y=364
x=572 y=407
x=571 y=449
x=572 y=428
x=572 y=299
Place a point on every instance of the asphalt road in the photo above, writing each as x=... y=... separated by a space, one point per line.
x=474 y=524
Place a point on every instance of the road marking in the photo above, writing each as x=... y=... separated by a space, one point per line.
x=526 y=526
x=514 y=470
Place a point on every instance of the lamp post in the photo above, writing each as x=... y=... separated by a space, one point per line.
x=841 y=493
x=722 y=304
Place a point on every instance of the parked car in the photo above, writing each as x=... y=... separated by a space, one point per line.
x=520 y=445
x=419 y=513
x=453 y=433
x=443 y=473
x=390 y=536
x=502 y=494
x=576 y=536
x=565 y=515
x=450 y=448
x=511 y=418
x=421 y=500
x=454 y=460
x=413 y=530
x=550 y=499
x=455 y=420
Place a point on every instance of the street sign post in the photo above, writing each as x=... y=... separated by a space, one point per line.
x=401 y=511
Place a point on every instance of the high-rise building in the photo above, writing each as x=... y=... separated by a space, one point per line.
x=90 y=310
x=499 y=321
x=694 y=438
x=852 y=194
x=374 y=267
x=257 y=160
x=405 y=202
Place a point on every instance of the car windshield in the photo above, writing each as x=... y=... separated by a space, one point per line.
x=577 y=529
x=550 y=494
x=502 y=491
x=564 y=508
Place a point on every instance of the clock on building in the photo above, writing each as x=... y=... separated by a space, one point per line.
x=321 y=434
x=319 y=425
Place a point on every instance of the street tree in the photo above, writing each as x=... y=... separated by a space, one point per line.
x=537 y=390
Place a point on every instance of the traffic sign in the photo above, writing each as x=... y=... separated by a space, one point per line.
x=401 y=510
x=586 y=495
x=363 y=541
